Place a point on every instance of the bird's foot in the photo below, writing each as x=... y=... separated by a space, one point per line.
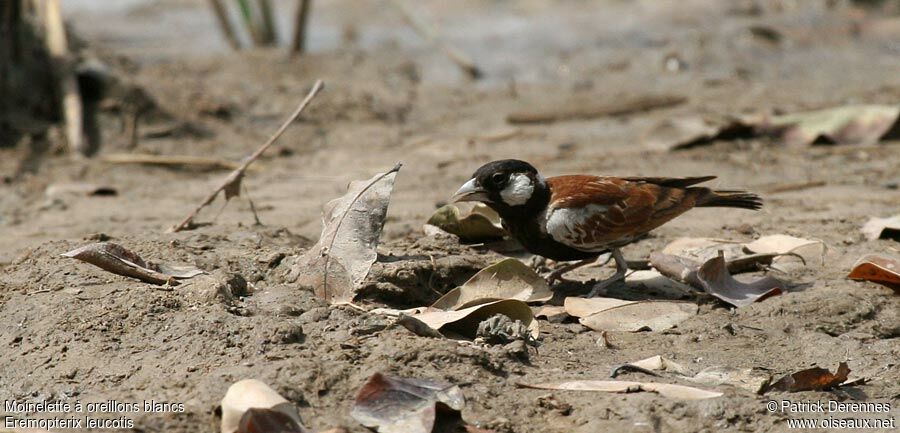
x=601 y=286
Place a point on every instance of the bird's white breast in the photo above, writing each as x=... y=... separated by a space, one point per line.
x=569 y=226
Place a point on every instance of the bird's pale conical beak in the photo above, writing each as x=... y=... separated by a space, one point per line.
x=470 y=192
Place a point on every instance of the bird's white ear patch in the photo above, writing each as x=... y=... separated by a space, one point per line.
x=518 y=191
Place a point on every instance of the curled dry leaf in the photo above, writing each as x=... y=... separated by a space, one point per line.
x=479 y=224
x=122 y=261
x=685 y=132
x=506 y=279
x=464 y=322
x=553 y=313
x=883 y=228
x=608 y=314
x=715 y=280
x=678 y=392
x=703 y=249
x=337 y=264
x=248 y=394
x=393 y=404
x=811 y=379
x=879 y=269
x=258 y=420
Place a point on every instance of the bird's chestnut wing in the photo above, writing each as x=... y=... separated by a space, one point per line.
x=594 y=213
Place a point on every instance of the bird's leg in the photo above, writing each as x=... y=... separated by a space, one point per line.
x=621 y=269
x=557 y=274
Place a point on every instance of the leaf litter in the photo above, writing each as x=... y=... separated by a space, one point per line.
x=393 y=404
x=337 y=264
x=882 y=228
x=850 y=124
x=119 y=260
x=479 y=224
x=610 y=314
x=506 y=279
x=247 y=394
x=677 y=392
x=877 y=268
x=811 y=379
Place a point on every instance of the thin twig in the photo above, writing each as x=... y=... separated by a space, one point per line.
x=225 y=24
x=58 y=48
x=298 y=45
x=235 y=177
x=428 y=32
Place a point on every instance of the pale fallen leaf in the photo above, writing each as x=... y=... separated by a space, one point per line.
x=851 y=124
x=122 y=261
x=393 y=404
x=717 y=281
x=479 y=224
x=608 y=314
x=506 y=279
x=811 y=379
x=654 y=281
x=879 y=269
x=251 y=393
x=882 y=228
x=749 y=379
x=703 y=249
x=787 y=246
x=464 y=322
x=679 y=392
x=658 y=363
x=337 y=264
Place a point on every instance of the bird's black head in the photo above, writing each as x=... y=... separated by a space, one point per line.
x=504 y=185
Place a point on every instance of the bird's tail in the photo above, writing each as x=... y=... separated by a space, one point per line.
x=729 y=198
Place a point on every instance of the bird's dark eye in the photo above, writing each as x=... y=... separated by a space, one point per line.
x=498 y=179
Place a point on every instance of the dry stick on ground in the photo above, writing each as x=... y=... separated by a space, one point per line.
x=428 y=32
x=224 y=22
x=58 y=48
x=298 y=45
x=231 y=185
x=182 y=160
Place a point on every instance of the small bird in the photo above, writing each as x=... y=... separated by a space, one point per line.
x=581 y=217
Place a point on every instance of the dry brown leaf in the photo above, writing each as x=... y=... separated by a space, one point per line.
x=248 y=394
x=122 y=261
x=393 y=404
x=259 y=420
x=679 y=392
x=811 y=379
x=506 y=279
x=337 y=264
x=480 y=224
x=715 y=280
x=464 y=322
x=879 y=269
x=608 y=314
x=883 y=228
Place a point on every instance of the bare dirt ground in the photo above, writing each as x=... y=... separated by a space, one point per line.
x=69 y=330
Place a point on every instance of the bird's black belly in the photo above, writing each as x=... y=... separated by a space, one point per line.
x=536 y=242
